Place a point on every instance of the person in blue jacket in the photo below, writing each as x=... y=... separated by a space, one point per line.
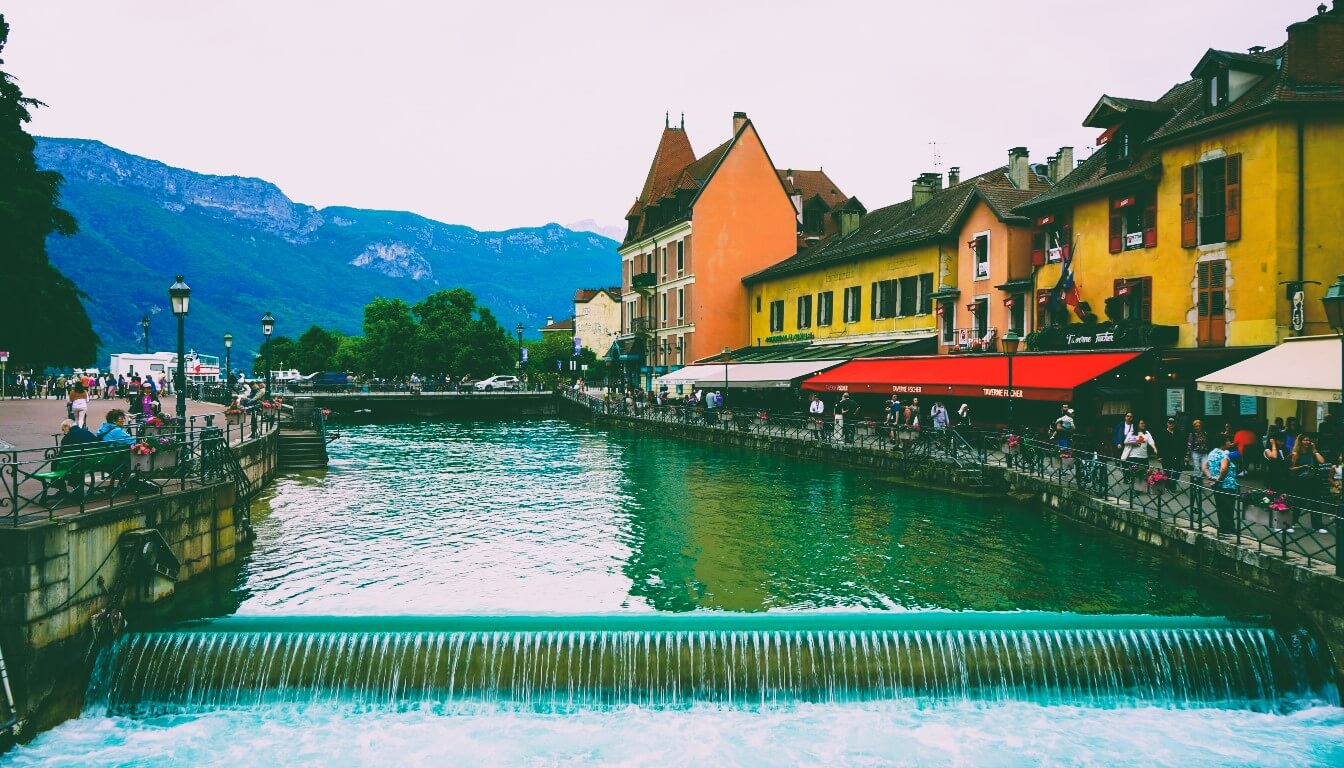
x=113 y=429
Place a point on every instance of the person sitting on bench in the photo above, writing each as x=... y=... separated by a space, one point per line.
x=113 y=429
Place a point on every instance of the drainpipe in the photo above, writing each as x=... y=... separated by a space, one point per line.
x=1301 y=201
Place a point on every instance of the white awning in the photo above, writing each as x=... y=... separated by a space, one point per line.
x=1305 y=368
x=746 y=375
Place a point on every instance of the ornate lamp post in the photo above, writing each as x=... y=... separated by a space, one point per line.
x=179 y=296
x=228 y=360
x=519 y=329
x=1010 y=342
x=144 y=331
x=725 y=376
x=268 y=325
x=1333 y=302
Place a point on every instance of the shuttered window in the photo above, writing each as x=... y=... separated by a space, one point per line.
x=1211 y=201
x=926 y=293
x=805 y=311
x=1050 y=240
x=1212 y=331
x=777 y=316
x=825 y=307
x=1137 y=298
x=1133 y=221
x=853 y=300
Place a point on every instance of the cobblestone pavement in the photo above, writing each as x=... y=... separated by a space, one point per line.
x=31 y=423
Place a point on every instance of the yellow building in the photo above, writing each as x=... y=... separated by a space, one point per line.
x=1208 y=221
x=888 y=282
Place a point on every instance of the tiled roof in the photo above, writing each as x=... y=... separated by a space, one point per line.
x=812 y=183
x=584 y=295
x=560 y=325
x=691 y=175
x=673 y=154
x=899 y=226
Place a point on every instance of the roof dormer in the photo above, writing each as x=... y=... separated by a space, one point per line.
x=1228 y=76
x=1127 y=122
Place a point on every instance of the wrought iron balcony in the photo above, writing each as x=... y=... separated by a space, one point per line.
x=641 y=324
x=644 y=281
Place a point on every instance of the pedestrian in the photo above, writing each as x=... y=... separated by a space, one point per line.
x=816 y=409
x=964 y=415
x=1248 y=445
x=1278 y=476
x=1197 y=444
x=1173 y=461
x=846 y=411
x=1139 y=447
x=938 y=415
x=1221 y=473
x=1122 y=432
x=79 y=404
x=113 y=429
x=1063 y=428
x=1310 y=482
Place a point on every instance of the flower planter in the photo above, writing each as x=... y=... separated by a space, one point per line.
x=1261 y=515
x=154 y=462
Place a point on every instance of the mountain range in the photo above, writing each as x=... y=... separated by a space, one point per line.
x=246 y=249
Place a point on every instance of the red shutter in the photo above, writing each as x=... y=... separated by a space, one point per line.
x=1116 y=285
x=1117 y=231
x=1233 y=215
x=1150 y=224
x=1146 y=285
x=1189 y=224
x=1037 y=247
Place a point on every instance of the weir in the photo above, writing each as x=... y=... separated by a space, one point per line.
x=572 y=663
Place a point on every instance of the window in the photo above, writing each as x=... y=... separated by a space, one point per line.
x=853 y=297
x=776 y=316
x=663 y=317
x=884 y=300
x=758 y=303
x=805 y=311
x=1134 y=299
x=948 y=321
x=1211 y=201
x=825 y=307
x=980 y=255
x=1218 y=90
x=980 y=317
x=1133 y=222
x=1017 y=313
x=664 y=256
x=681 y=256
x=1117 y=149
x=1050 y=240
x=681 y=306
x=1043 y=318
x=814 y=221
x=909 y=296
x=1212 y=331
x=926 y=293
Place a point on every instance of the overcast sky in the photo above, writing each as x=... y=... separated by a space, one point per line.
x=501 y=114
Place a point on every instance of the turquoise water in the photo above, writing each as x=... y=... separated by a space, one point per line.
x=668 y=603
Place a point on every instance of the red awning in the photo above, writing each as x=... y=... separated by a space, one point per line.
x=1036 y=376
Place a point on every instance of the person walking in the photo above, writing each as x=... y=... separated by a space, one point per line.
x=938 y=415
x=1121 y=434
x=964 y=416
x=79 y=404
x=1139 y=447
x=1221 y=473
x=1173 y=460
x=1197 y=443
x=845 y=411
x=1307 y=464
x=1062 y=430
x=816 y=411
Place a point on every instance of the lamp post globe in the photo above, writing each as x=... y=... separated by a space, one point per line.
x=1011 y=341
x=1333 y=301
x=179 y=297
x=267 y=326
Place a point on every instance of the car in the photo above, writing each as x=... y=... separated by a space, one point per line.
x=497 y=382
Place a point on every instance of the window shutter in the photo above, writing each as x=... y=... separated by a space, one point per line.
x=1189 y=224
x=1116 y=285
x=1150 y=224
x=1146 y=285
x=1117 y=231
x=1232 y=217
x=1037 y=247
x=1217 y=303
x=872 y=313
x=686 y=244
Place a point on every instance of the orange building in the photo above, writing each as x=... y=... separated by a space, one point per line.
x=698 y=226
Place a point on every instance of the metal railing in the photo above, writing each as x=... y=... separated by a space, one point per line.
x=55 y=481
x=1305 y=526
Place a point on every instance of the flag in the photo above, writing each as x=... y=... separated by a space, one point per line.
x=1066 y=289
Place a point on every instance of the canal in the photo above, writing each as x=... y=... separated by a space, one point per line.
x=643 y=590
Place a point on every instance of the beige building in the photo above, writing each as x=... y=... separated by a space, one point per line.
x=597 y=318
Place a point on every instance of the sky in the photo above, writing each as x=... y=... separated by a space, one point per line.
x=505 y=114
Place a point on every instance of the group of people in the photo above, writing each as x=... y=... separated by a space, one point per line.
x=94 y=386
x=895 y=415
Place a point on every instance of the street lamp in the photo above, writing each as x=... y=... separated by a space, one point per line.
x=144 y=331
x=228 y=359
x=1010 y=342
x=267 y=325
x=179 y=296
x=519 y=329
x=1333 y=301
x=725 y=376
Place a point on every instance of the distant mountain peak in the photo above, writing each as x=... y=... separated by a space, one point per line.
x=611 y=231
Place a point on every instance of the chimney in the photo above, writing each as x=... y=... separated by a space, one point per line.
x=1254 y=49
x=549 y=319
x=739 y=120
x=1018 y=170
x=954 y=176
x=1052 y=168
x=924 y=188
x=1312 y=56
x=849 y=221
x=1065 y=163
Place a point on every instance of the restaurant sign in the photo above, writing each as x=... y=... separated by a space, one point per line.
x=789 y=337
x=1084 y=340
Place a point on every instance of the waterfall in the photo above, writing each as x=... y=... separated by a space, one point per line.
x=564 y=664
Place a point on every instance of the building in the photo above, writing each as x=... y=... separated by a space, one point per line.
x=887 y=281
x=552 y=325
x=200 y=369
x=682 y=303
x=597 y=317
x=1205 y=226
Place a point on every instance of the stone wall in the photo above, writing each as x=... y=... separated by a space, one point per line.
x=55 y=576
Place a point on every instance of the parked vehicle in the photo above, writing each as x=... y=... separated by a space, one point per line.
x=498 y=382
x=325 y=381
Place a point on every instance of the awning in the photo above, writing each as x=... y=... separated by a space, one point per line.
x=1036 y=376
x=746 y=375
x=1305 y=368
x=626 y=351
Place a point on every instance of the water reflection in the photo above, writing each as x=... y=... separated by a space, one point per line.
x=556 y=517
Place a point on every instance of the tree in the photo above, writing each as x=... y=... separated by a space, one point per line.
x=282 y=350
x=457 y=336
x=389 y=337
x=349 y=354
x=42 y=321
x=317 y=346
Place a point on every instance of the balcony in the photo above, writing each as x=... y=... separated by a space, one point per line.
x=641 y=324
x=644 y=281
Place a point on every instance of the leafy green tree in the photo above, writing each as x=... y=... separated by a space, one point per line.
x=283 y=352
x=42 y=321
x=317 y=346
x=349 y=354
x=457 y=336
x=389 y=338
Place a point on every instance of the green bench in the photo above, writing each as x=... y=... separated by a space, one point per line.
x=82 y=461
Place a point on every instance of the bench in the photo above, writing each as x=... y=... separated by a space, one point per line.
x=81 y=461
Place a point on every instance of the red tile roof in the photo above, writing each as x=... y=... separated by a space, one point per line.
x=560 y=325
x=584 y=295
x=810 y=183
